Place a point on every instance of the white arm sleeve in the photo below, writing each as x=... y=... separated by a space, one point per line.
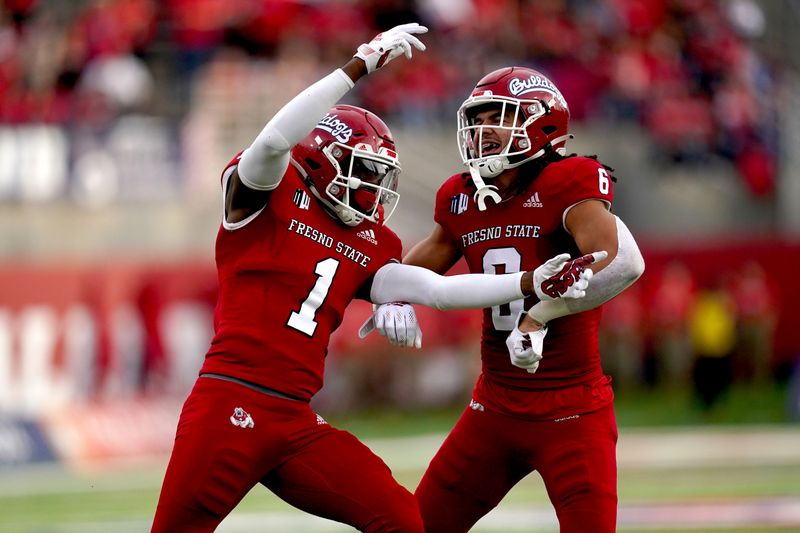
x=263 y=164
x=624 y=269
x=395 y=282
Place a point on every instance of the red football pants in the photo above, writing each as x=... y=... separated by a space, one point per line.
x=487 y=453
x=306 y=462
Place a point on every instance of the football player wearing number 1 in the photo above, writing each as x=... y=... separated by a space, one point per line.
x=302 y=235
x=525 y=205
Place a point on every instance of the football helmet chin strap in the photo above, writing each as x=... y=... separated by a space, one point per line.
x=494 y=166
x=549 y=145
x=347 y=216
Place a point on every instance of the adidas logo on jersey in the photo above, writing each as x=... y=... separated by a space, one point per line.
x=301 y=199
x=459 y=203
x=368 y=235
x=533 y=201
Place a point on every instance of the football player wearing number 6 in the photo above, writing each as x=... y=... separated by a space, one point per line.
x=302 y=235
x=526 y=205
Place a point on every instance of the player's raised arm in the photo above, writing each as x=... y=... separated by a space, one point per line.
x=264 y=162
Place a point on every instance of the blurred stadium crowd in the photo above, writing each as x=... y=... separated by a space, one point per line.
x=686 y=70
x=115 y=103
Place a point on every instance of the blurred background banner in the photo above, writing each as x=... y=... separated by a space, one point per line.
x=22 y=442
x=117 y=117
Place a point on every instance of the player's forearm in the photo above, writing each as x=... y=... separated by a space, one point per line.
x=407 y=283
x=263 y=163
x=626 y=267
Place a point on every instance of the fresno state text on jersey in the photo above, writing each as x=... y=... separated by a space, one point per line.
x=520 y=234
x=285 y=279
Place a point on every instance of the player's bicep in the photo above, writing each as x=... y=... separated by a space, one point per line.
x=594 y=228
x=436 y=252
x=241 y=202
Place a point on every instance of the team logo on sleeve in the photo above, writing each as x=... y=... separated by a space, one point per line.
x=459 y=203
x=301 y=199
x=242 y=418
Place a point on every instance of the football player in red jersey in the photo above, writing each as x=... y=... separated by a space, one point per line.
x=523 y=201
x=302 y=235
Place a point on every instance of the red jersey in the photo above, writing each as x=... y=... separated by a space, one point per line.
x=520 y=234
x=285 y=279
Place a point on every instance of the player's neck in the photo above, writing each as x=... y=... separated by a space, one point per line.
x=506 y=178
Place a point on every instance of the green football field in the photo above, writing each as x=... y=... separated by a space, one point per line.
x=673 y=477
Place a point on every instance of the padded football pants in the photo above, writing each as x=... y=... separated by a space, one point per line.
x=487 y=453
x=288 y=449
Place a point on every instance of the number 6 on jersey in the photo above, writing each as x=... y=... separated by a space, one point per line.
x=602 y=181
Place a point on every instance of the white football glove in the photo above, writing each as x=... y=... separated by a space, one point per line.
x=390 y=44
x=562 y=277
x=395 y=321
x=526 y=348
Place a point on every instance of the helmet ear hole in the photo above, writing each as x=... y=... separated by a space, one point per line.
x=313 y=165
x=547 y=130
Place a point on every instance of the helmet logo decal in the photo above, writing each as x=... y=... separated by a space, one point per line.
x=335 y=127
x=518 y=87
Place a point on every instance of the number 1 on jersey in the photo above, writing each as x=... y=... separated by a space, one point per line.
x=304 y=319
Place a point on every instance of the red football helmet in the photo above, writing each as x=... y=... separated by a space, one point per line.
x=532 y=109
x=351 y=163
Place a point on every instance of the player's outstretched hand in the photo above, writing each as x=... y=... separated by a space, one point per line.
x=397 y=322
x=526 y=348
x=562 y=277
x=390 y=44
